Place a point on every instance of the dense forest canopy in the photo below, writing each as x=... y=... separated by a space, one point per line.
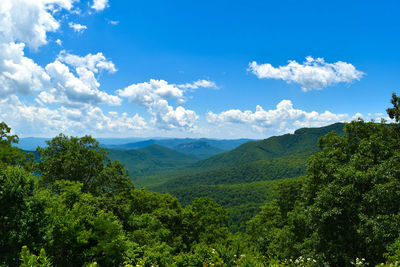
x=76 y=207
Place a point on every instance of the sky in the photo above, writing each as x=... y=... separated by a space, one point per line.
x=216 y=69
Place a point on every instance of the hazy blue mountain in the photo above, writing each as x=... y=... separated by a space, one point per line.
x=118 y=141
x=201 y=149
x=31 y=143
x=206 y=147
x=134 y=145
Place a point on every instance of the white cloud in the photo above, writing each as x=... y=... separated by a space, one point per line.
x=59 y=42
x=284 y=118
x=21 y=27
x=153 y=95
x=34 y=120
x=29 y=21
x=113 y=22
x=19 y=74
x=198 y=84
x=91 y=62
x=148 y=93
x=99 y=5
x=77 y=27
x=166 y=117
x=312 y=74
x=80 y=88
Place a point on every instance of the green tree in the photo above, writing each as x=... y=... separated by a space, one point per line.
x=29 y=259
x=82 y=160
x=394 y=112
x=274 y=230
x=348 y=206
x=22 y=214
x=352 y=193
x=82 y=232
x=10 y=155
x=205 y=221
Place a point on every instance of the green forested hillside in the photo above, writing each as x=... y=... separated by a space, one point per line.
x=297 y=147
x=242 y=200
x=151 y=159
x=241 y=189
x=261 y=170
x=302 y=141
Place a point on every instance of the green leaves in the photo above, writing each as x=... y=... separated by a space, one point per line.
x=205 y=221
x=10 y=155
x=394 y=113
x=22 y=214
x=29 y=259
x=82 y=160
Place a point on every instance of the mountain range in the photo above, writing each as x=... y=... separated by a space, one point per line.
x=239 y=174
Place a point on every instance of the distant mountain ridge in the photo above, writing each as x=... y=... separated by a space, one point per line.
x=202 y=147
x=31 y=143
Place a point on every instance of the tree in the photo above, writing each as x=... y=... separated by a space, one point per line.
x=29 y=259
x=394 y=113
x=348 y=206
x=22 y=214
x=82 y=160
x=10 y=155
x=81 y=231
x=205 y=221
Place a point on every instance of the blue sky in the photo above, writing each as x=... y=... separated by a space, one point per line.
x=185 y=68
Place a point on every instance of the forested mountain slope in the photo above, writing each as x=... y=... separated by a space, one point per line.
x=151 y=159
x=302 y=141
x=261 y=170
x=290 y=151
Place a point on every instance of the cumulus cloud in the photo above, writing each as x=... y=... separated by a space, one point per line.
x=314 y=73
x=19 y=74
x=198 y=84
x=99 y=5
x=153 y=95
x=21 y=27
x=284 y=118
x=30 y=119
x=166 y=117
x=146 y=93
x=29 y=21
x=77 y=27
x=91 y=62
x=78 y=87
